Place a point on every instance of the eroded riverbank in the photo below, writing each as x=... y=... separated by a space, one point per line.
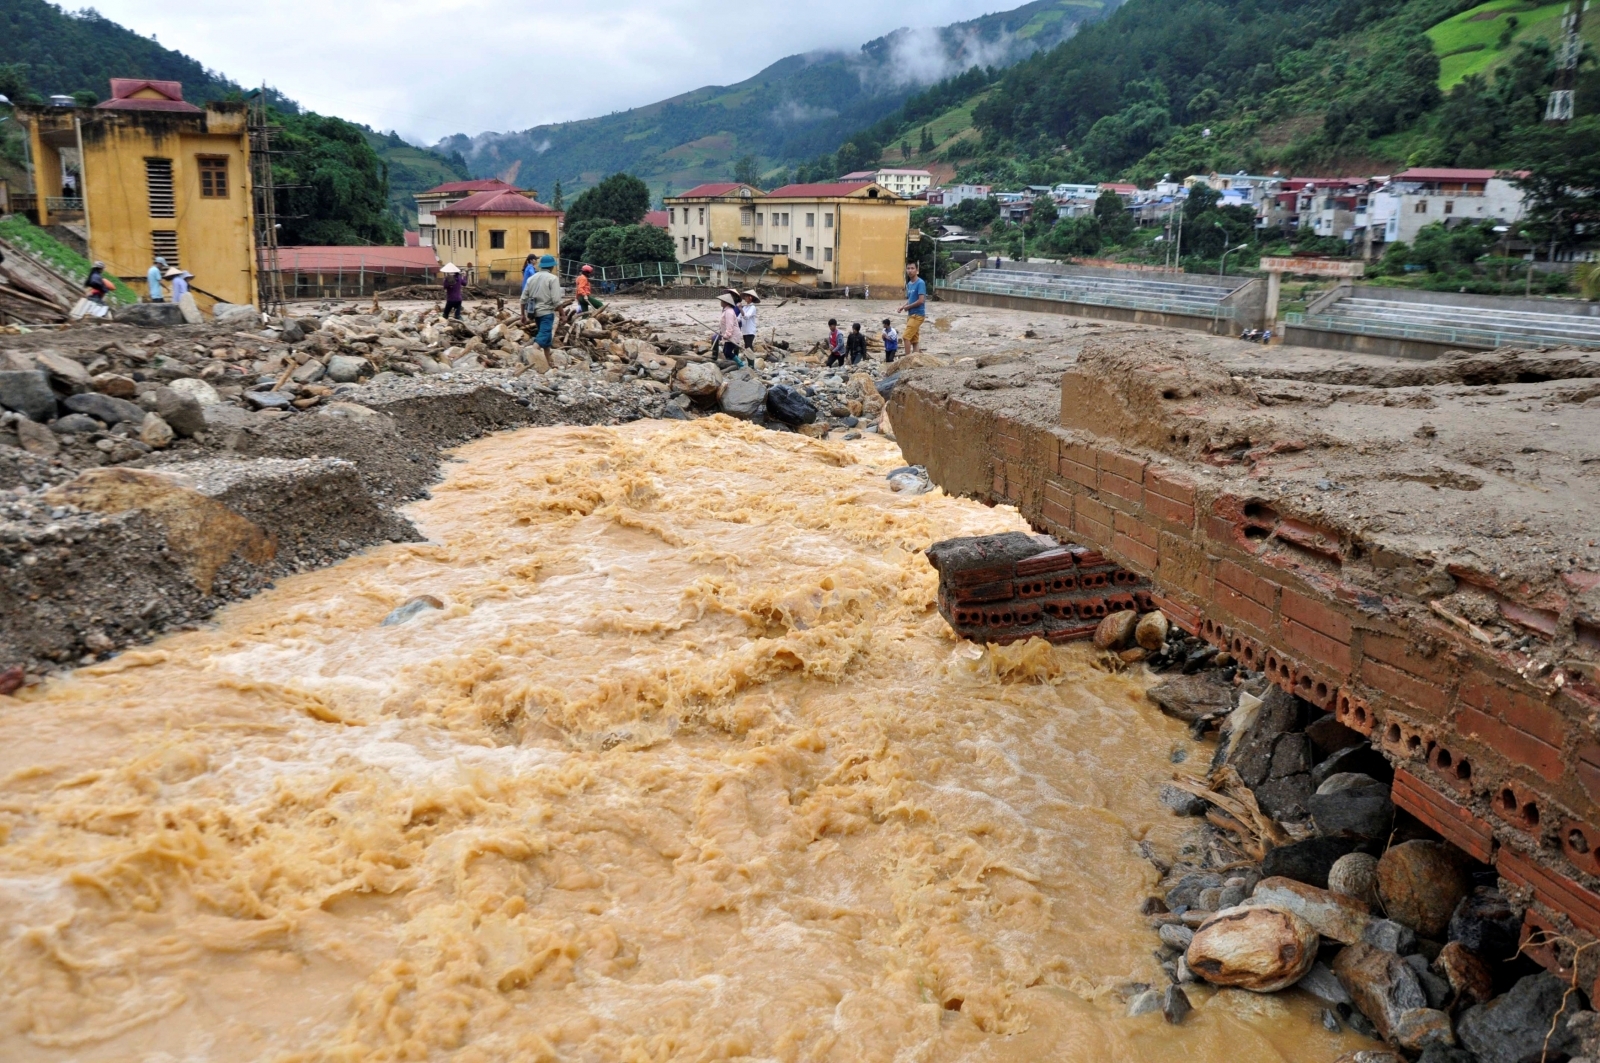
x=687 y=767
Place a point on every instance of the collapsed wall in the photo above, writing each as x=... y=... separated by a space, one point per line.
x=1410 y=547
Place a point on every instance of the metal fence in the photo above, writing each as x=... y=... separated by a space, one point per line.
x=1063 y=294
x=1448 y=334
x=300 y=285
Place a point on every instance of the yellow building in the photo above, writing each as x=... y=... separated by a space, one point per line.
x=712 y=217
x=491 y=234
x=148 y=174
x=854 y=232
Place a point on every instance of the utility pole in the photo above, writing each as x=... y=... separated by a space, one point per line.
x=1560 y=107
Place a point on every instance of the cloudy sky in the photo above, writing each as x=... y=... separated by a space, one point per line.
x=467 y=66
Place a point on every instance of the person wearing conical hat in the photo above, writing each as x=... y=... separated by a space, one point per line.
x=747 y=318
x=728 y=333
x=455 y=286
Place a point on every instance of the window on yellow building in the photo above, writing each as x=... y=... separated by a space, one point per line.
x=164 y=244
x=538 y=238
x=497 y=239
x=158 y=184
x=213 y=178
x=747 y=217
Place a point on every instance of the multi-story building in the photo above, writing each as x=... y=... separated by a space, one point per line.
x=441 y=196
x=712 y=217
x=1419 y=197
x=490 y=234
x=149 y=174
x=853 y=232
x=908 y=184
x=955 y=195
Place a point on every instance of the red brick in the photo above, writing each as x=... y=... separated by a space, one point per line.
x=1557 y=891
x=1516 y=746
x=1316 y=615
x=1121 y=465
x=1092 y=521
x=1077 y=464
x=1010 y=446
x=1169 y=485
x=1245 y=609
x=1167 y=509
x=1589 y=769
x=1318 y=646
x=1178 y=613
x=1058 y=517
x=1138 y=553
x=999 y=488
x=1420 y=693
x=1123 y=524
x=1454 y=822
x=1263 y=592
x=1219 y=529
x=1396 y=652
x=1518 y=710
x=1121 y=486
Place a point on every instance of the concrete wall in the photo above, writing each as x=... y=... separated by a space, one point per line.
x=1219 y=327
x=215 y=236
x=1569 y=307
x=1307 y=336
x=1507 y=771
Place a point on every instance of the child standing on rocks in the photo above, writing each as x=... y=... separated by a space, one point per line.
x=855 y=344
x=835 y=344
x=891 y=341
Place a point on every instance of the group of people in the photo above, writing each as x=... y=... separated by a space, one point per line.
x=737 y=330
x=97 y=285
x=852 y=347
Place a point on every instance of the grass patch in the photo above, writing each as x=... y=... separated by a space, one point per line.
x=1469 y=43
x=20 y=232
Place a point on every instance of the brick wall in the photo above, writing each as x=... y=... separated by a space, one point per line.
x=1505 y=766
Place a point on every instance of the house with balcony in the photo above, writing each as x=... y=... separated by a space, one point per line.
x=1423 y=195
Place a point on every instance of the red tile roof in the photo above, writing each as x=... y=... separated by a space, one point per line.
x=376 y=259
x=860 y=175
x=413 y=238
x=830 y=190
x=658 y=218
x=497 y=202
x=482 y=184
x=1425 y=174
x=710 y=191
x=122 y=90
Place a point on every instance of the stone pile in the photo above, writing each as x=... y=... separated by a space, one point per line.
x=1304 y=874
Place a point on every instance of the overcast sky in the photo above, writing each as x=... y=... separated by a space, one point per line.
x=467 y=66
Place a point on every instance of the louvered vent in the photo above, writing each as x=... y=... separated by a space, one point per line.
x=158 y=179
x=164 y=244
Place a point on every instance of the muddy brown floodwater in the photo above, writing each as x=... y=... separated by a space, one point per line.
x=687 y=768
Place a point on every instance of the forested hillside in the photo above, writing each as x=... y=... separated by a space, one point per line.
x=348 y=184
x=1320 y=86
x=790 y=111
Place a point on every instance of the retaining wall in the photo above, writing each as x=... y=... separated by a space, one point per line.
x=1504 y=765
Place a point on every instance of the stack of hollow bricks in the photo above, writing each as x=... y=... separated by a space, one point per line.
x=1506 y=770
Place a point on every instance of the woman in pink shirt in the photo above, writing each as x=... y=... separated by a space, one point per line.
x=728 y=334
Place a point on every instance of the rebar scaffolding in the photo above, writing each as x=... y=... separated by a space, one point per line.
x=269 y=278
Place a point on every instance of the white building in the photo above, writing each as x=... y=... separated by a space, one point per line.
x=955 y=195
x=908 y=184
x=1420 y=197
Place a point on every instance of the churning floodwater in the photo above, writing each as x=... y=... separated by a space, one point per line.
x=687 y=767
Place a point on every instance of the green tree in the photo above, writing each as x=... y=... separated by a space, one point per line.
x=1563 y=195
x=745 y=171
x=622 y=197
x=974 y=213
x=85 y=98
x=575 y=238
x=926 y=145
x=1116 y=224
x=555 y=196
x=605 y=246
x=905 y=149
x=646 y=243
x=333 y=187
x=1075 y=236
x=1507 y=32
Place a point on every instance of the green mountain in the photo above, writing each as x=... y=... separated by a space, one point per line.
x=345 y=180
x=792 y=110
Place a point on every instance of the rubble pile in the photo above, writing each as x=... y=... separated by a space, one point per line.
x=1302 y=872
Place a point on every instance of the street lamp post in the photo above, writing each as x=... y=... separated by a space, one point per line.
x=1222 y=270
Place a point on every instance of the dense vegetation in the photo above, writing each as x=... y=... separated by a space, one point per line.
x=333 y=188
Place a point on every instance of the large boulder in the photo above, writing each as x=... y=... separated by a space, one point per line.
x=149 y=315
x=1355 y=875
x=1189 y=697
x=27 y=391
x=196 y=389
x=699 y=380
x=745 y=396
x=1266 y=744
x=236 y=315
x=106 y=408
x=1352 y=804
x=1485 y=923
x=1512 y=1028
x=1259 y=949
x=180 y=410
x=1332 y=915
x=1308 y=860
x=68 y=372
x=790 y=406
x=1389 y=992
x=347 y=368
x=1420 y=884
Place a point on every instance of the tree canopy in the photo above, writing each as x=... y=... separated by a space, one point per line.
x=621 y=197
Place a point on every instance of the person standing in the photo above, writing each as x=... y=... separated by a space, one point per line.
x=855 y=344
x=455 y=286
x=153 y=277
x=747 y=318
x=835 y=344
x=916 y=307
x=180 y=283
x=728 y=329
x=891 y=340
x=541 y=297
x=96 y=286
x=529 y=269
x=583 y=288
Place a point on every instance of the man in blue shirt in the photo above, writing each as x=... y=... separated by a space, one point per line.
x=153 y=277
x=916 y=307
